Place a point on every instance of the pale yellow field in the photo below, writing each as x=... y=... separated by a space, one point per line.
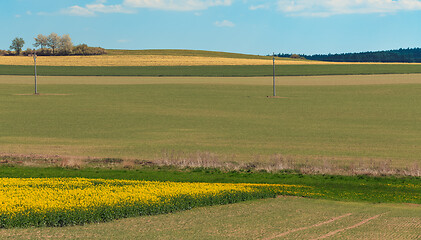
x=137 y=60
x=151 y=60
x=148 y=60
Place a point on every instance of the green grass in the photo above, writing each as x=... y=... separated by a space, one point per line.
x=215 y=71
x=263 y=219
x=236 y=122
x=341 y=188
x=181 y=52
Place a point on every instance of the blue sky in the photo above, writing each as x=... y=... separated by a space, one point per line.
x=243 y=26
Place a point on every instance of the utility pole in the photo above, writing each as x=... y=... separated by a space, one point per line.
x=274 y=86
x=35 y=65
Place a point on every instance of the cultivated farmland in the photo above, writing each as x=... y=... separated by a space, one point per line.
x=94 y=130
x=280 y=218
x=342 y=120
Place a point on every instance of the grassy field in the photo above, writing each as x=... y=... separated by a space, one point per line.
x=214 y=71
x=184 y=52
x=280 y=218
x=320 y=121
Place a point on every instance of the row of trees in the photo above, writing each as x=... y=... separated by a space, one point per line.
x=398 y=55
x=52 y=44
x=55 y=42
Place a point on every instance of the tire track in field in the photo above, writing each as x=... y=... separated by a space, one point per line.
x=347 y=228
x=304 y=228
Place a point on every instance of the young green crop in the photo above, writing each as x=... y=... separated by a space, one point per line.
x=214 y=71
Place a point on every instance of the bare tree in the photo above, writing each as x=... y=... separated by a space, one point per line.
x=17 y=45
x=53 y=41
x=66 y=44
x=41 y=41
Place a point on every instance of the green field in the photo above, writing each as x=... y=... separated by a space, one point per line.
x=215 y=71
x=320 y=120
x=280 y=218
x=181 y=52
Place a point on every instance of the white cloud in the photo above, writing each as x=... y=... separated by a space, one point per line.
x=90 y=10
x=325 y=8
x=129 y=6
x=78 y=11
x=224 y=23
x=177 y=5
x=99 y=7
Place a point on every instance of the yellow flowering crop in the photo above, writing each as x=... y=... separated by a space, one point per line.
x=64 y=201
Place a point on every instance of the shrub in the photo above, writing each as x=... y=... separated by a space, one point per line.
x=83 y=49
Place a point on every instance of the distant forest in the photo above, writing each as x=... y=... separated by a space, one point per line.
x=410 y=55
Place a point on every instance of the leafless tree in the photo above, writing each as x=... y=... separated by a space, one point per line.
x=53 y=41
x=65 y=44
x=41 y=41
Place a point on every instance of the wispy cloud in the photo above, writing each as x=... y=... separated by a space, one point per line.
x=78 y=11
x=224 y=23
x=177 y=5
x=325 y=8
x=129 y=6
x=90 y=10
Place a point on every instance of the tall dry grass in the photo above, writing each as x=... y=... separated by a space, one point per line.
x=274 y=164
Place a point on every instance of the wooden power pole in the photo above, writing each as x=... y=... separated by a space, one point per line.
x=35 y=65
x=274 y=85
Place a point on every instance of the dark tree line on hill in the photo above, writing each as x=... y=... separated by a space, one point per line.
x=409 y=55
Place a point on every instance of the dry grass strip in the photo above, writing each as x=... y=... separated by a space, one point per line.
x=41 y=94
x=347 y=228
x=312 y=226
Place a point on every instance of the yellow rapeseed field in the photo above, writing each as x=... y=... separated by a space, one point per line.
x=140 y=60
x=62 y=201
